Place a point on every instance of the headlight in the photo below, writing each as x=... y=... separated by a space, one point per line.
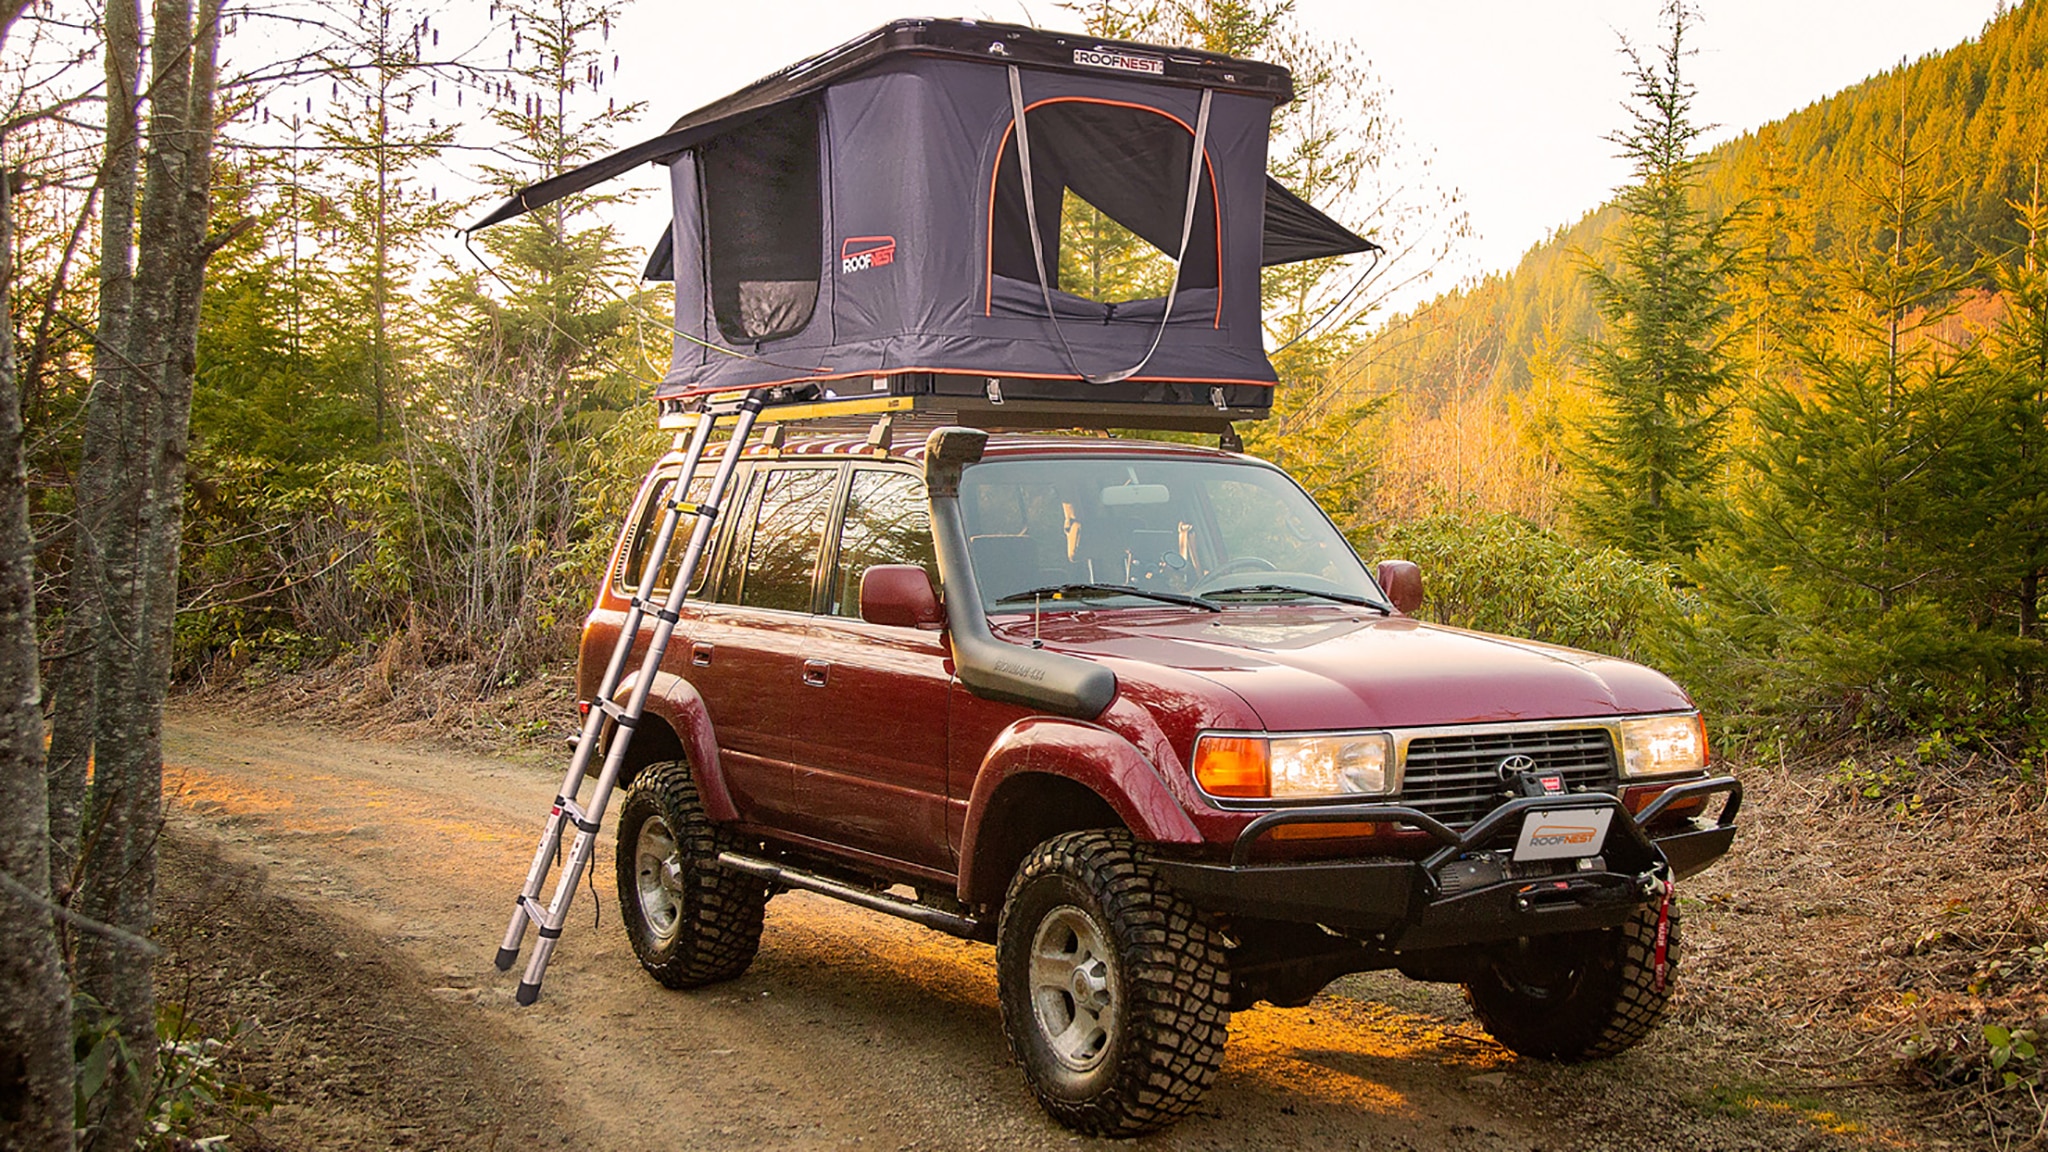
x=1663 y=745
x=1294 y=767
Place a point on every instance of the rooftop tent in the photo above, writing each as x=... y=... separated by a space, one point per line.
x=862 y=222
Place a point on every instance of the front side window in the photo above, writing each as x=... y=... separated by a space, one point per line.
x=886 y=522
x=763 y=224
x=1219 y=529
x=787 y=527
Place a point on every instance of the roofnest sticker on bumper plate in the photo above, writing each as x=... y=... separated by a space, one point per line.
x=1564 y=833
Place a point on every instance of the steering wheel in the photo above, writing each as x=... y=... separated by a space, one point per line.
x=1244 y=564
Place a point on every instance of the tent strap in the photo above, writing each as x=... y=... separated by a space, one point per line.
x=1187 y=228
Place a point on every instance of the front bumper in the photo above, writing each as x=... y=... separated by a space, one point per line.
x=1459 y=894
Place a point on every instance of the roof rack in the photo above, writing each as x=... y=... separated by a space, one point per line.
x=991 y=403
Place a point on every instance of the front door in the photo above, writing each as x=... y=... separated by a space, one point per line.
x=870 y=738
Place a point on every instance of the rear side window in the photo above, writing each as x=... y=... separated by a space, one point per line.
x=648 y=526
x=787 y=527
x=886 y=522
x=763 y=219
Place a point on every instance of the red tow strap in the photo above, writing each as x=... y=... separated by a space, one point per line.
x=1663 y=962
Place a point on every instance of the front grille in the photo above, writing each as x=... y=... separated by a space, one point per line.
x=1457 y=778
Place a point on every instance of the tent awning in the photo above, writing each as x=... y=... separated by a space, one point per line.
x=1297 y=230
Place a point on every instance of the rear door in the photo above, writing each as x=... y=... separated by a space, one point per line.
x=870 y=740
x=745 y=649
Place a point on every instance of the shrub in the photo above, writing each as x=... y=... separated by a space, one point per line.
x=1498 y=573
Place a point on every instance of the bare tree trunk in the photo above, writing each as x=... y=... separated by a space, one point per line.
x=35 y=1028
x=139 y=548
x=72 y=673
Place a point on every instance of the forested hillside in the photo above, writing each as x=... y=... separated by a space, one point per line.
x=1482 y=375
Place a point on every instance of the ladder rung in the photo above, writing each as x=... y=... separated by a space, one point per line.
x=654 y=608
x=618 y=714
x=537 y=911
x=576 y=815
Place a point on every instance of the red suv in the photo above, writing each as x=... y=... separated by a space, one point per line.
x=1136 y=714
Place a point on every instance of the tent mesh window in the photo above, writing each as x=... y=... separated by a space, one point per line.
x=1110 y=184
x=763 y=216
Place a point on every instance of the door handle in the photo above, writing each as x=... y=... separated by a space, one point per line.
x=814 y=672
x=700 y=655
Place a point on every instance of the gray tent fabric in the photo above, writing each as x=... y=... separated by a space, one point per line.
x=870 y=222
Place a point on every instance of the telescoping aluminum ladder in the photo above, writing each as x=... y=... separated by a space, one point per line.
x=588 y=817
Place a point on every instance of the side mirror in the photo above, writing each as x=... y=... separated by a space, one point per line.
x=1402 y=581
x=898 y=594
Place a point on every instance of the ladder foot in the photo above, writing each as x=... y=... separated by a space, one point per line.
x=505 y=958
x=527 y=993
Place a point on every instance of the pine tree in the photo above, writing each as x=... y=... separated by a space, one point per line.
x=385 y=214
x=1660 y=374
x=1866 y=503
x=1770 y=290
x=2019 y=370
x=551 y=297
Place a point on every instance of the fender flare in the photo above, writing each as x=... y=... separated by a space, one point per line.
x=679 y=705
x=1090 y=755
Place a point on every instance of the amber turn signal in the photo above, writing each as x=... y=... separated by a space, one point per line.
x=1639 y=796
x=1237 y=766
x=1348 y=830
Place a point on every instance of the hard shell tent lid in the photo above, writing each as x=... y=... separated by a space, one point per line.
x=857 y=223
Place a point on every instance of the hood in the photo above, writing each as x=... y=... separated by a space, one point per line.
x=1304 y=668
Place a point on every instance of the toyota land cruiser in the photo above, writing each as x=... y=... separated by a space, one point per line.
x=1136 y=714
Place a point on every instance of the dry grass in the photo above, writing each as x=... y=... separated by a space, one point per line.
x=1885 y=904
x=403 y=690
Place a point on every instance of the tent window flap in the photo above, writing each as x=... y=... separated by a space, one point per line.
x=763 y=211
x=1096 y=163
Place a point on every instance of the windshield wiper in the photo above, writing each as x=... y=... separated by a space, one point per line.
x=1339 y=597
x=1112 y=590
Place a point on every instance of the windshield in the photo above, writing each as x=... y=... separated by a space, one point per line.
x=1225 y=530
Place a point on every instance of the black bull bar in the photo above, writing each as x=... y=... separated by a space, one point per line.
x=1445 y=899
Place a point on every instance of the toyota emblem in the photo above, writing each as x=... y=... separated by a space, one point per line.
x=1515 y=765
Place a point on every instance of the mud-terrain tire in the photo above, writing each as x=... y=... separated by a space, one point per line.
x=1582 y=996
x=1115 y=991
x=690 y=922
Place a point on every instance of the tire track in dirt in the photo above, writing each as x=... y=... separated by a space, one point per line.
x=852 y=1030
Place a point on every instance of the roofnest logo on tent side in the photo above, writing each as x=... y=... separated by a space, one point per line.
x=860 y=253
x=1121 y=61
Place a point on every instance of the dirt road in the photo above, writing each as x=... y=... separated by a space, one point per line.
x=390 y=869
